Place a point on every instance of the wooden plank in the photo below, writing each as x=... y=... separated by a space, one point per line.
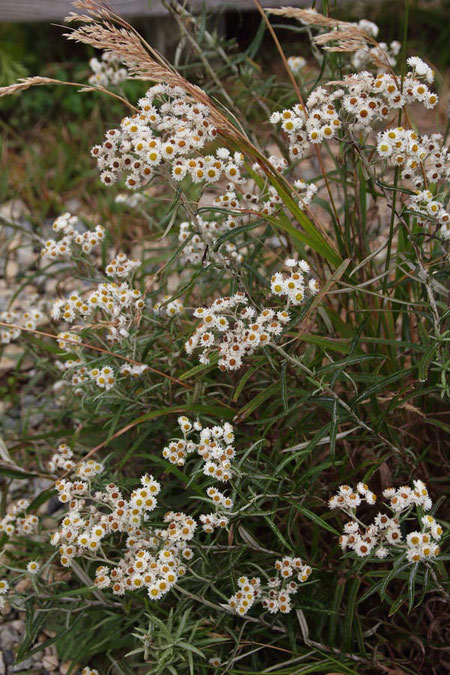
x=56 y=10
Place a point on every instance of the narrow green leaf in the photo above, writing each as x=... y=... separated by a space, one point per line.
x=314 y=517
x=424 y=362
x=412 y=585
x=384 y=383
x=257 y=401
x=350 y=611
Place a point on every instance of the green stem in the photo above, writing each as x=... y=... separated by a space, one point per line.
x=397 y=172
x=391 y=233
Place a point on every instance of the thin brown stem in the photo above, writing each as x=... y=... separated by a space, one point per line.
x=96 y=349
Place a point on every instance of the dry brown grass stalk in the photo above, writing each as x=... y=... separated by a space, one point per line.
x=306 y=16
x=23 y=84
x=103 y=29
x=86 y=345
x=347 y=36
x=142 y=60
x=125 y=44
x=27 y=82
x=106 y=30
x=347 y=40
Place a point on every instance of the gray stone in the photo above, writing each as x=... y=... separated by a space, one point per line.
x=8 y=636
x=24 y=666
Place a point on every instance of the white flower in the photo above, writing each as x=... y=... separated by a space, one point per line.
x=362 y=549
x=33 y=567
x=381 y=552
x=388 y=492
x=421 y=68
x=304 y=266
x=414 y=539
x=369 y=27
x=384 y=148
x=313 y=286
x=296 y=63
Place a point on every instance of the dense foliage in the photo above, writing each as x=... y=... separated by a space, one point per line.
x=226 y=356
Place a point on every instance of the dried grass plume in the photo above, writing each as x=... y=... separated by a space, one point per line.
x=347 y=36
x=104 y=29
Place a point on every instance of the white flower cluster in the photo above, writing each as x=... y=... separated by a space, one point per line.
x=4 y=587
x=306 y=190
x=420 y=68
x=238 y=204
x=217 y=450
x=213 y=521
x=277 y=595
x=17 y=521
x=219 y=499
x=215 y=447
x=422 y=545
x=66 y=224
x=431 y=209
x=89 y=671
x=320 y=122
x=402 y=147
x=268 y=204
x=167 y=307
x=104 y=378
x=366 y=55
x=411 y=153
x=204 y=232
x=169 y=131
x=28 y=319
x=7 y=335
x=28 y=314
x=210 y=168
x=121 y=266
x=369 y=27
x=86 y=470
x=66 y=340
x=118 y=302
x=153 y=558
x=80 y=374
x=177 y=450
x=132 y=200
x=294 y=286
x=384 y=537
x=376 y=96
x=61 y=459
x=107 y=71
x=249 y=591
x=405 y=497
x=364 y=100
x=296 y=63
x=133 y=370
x=346 y=498
x=234 y=332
